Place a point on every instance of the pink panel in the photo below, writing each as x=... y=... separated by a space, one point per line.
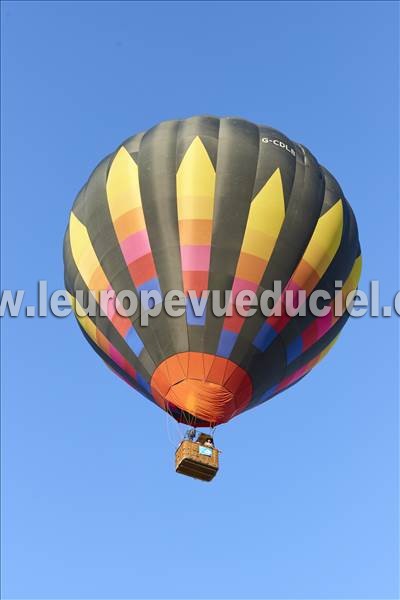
x=243 y=284
x=121 y=361
x=195 y=258
x=293 y=287
x=278 y=323
x=135 y=246
x=310 y=335
x=108 y=306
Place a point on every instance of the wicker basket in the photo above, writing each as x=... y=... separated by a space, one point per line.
x=195 y=460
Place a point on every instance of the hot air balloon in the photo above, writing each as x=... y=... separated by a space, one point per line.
x=210 y=204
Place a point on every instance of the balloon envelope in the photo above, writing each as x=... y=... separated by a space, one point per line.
x=211 y=204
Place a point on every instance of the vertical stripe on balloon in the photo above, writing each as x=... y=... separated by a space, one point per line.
x=125 y=205
x=96 y=280
x=321 y=325
x=195 y=189
x=319 y=254
x=264 y=222
x=99 y=338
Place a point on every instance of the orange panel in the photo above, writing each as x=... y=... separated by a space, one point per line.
x=102 y=342
x=161 y=383
x=242 y=395
x=183 y=358
x=207 y=361
x=175 y=370
x=306 y=277
x=98 y=280
x=217 y=371
x=250 y=267
x=196 y=367
x=195 y=232
x=230 y=367
x=235 y=380
x=129 y=223
x=158 y=398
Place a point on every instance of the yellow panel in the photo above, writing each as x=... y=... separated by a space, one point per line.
x=123 y=191
x=326 y=239
x=351 y=282
x=195 y=183
x=266 y=215
x=259 y=244
x=195 y=208
x=267 y=210
x=84 y=321
x=84 y=255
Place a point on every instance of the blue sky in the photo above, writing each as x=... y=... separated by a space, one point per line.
x=305 y=505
